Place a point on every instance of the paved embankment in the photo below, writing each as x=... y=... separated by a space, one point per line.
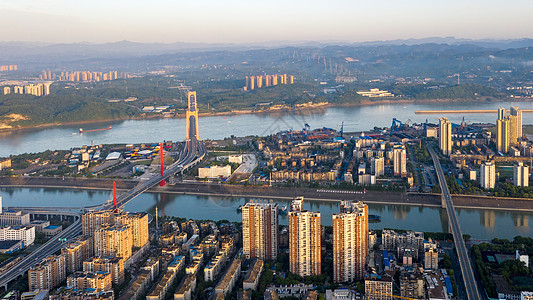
x=275 y=192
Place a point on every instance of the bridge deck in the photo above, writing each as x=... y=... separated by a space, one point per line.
x=470 y=282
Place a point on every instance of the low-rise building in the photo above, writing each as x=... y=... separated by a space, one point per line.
x=152 y=266
x=97 y=281
x=114 y=266
x=228 y=281
x=26 y=234
x=52 y=230
x=162 y=286
x=379 y=288
x=252 y=278
x=35 y=295
x=214 y=171
x=186 y=288
x=11 y=217
x=39 y=225
x=412 y=285
x=138 y=287
x=9 y=247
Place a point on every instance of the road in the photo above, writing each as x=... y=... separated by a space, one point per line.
x=194 y=151
x=50 y=247
x=471 y=286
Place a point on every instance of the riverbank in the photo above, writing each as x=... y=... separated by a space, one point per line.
x=305 y=110
x=226 y=190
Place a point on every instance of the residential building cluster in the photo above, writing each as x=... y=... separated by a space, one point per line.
x=300 y=156
x=8 y=68
x=356 y=252
x=82 y=76
x=470 y=146
x=257 y=82
x=374 y=158
x=94 y=262
x=35 y=89
x=319 y=156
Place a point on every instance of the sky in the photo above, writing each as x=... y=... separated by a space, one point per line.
x=247 y=21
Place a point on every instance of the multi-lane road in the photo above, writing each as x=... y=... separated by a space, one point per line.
x=470 y=282
x=192 y=153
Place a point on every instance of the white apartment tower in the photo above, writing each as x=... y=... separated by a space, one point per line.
x=521 y=175
x=487 y=175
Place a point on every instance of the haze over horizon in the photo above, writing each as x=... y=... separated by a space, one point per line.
x=238 y=21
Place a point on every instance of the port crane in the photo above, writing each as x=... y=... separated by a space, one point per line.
x=396 y=125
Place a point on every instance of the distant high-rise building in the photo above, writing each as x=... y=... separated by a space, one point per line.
x=515 y=111
x=274 y=79
x=521 y=174
x=47 y=88
x=350 y=242
x=260 y=230
x=400 y=161
x=48 y=274
x=7 y=90
x=445 y=136
x=487 y=175
x=513 y=130
x=503 y=140
x=259 y=80
x=113 y=241
x=252 y=83
x=268 y=80
x=304 y=240
x=284 y=79
x=501 y=113
x=377 y=166
x=291 y=79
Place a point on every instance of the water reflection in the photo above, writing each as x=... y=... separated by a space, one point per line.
x=520 y=220
x=482 y=224
x=487 y=218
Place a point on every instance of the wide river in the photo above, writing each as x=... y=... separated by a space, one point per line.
x=479 y=223
x=218 y=127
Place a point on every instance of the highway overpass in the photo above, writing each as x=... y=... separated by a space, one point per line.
x=470 y=282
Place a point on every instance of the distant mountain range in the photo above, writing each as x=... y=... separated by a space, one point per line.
x=18 y=50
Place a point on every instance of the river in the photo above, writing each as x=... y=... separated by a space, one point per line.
x=479 y=223
x=356 y=118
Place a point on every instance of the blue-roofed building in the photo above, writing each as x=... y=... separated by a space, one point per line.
x=449 y=286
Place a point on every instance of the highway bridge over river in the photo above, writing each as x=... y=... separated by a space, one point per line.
x=193 y=152
x=470 y=282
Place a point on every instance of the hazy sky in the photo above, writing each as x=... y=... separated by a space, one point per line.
x=257 y=21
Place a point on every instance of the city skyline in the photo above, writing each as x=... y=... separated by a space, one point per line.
x=240 y=22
